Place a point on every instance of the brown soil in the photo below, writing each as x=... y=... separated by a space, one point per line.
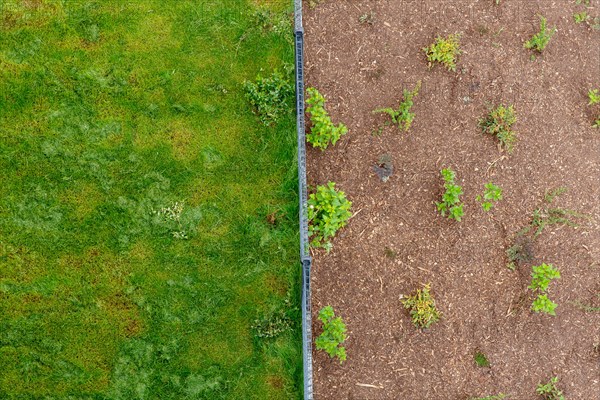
x=361 y=67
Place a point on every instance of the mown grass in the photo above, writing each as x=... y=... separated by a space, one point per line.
x=110 y=112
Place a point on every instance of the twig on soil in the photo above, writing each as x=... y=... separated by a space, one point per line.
x=503 y=157
x=355 y=214
x=369 y=386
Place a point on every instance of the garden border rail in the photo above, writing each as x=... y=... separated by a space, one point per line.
x=305 y=258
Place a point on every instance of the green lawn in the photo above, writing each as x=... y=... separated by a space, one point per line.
x=135 y=249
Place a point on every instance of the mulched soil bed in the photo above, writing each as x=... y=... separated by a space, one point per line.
x=361 y=67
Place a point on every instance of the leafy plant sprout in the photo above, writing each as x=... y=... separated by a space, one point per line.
x=422 y=308
x=543 y=304
x=541 y=276
x=402 y=116
x=580 y=17
x=450 y=205
x=491 y=195
x=481 y=360
x=333 y=335
x=594 y=97
x=550 y=391
x=540 y=40
x=499 y=123
x=328 y=211
x=367 y=18
x=444 y=51
x=322 y=132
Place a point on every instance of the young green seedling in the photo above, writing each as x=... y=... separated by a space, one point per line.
x=594 y=97
x=322 y=132
x=499 y=123
x=541 y=276
x=422 y=308
x=540 y=40
x=402 y=116
x=444 y=51
x=450 y=205
x=549 y=391
x=333 y=336
x=491 y=195
x=328 y=211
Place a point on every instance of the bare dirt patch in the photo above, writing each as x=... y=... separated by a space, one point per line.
x=397 y=241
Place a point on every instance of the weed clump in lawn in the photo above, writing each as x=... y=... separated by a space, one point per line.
x=540 y=40
x=422 y=308
x=402 y=116
x=445 y=51
x=269 y=97
x=268 y=20
x=333 y=336
x=272 y=325
x=549 y=391
x=276 y=321
x=499 y=123
x=541 y=276
x=328 y=211
x=450 y=205
x=323 y=131
x=178 y=220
